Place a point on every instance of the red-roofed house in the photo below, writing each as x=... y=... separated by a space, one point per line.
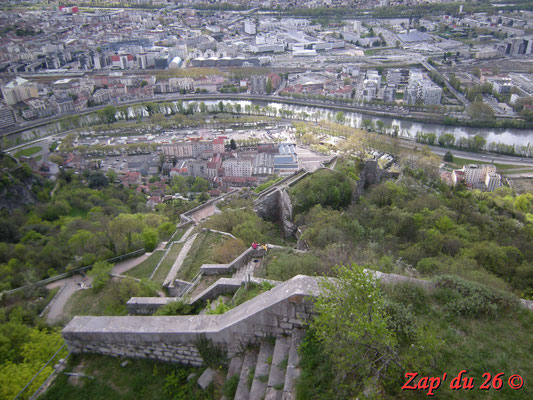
x=131 y=178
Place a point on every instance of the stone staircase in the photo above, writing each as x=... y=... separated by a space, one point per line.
x=268 y=371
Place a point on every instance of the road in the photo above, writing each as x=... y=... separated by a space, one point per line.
x=484 y=157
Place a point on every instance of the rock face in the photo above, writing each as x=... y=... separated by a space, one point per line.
x=17 y=195
x=277 y=207
x=370 y=175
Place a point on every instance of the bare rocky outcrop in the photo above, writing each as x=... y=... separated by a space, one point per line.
x=277 y=207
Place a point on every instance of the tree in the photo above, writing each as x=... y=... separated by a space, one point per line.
x=111 y=175
x=339 y=117
x=448 y=157
x=351 y=324
x=203 y=107
x=480 y=111
x=478 y=142
x=380 y=125
x=107 y=114
x=100 y=273
x=221 y=106
x=269 y=86
x=200 y=185
x=477 y=72
x=232 y=144
x=150 y=239
x=157 y=119
x=97 y=180
x=446 y=140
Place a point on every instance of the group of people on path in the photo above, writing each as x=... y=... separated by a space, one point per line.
x=255 y=245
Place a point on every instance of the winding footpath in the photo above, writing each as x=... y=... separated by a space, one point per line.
x=71 y=285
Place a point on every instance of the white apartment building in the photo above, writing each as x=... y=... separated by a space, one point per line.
x=249 y=28
x=473 y=173
x=237 y=168
x=179 y=150
x=492 y=181
x=19 y=90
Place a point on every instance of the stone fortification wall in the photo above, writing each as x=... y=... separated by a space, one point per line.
x=146 y=305
x=278 y=311
x=149 y=305
x=239 y=262
x=187 y=217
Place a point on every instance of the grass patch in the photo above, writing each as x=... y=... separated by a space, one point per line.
x=230 y=387
x=166 y=264
x=204 y=251
x=250 y=377
x=268 y=184
x=177 y=236
x=282 y=264
x=145 y=268
x=30 y=151
x=110 y=300
x=520 y=171
x=459 y=162
x=139 y=379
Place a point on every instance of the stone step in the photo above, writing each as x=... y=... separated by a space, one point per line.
x=293 y=370
x=280 y=357
x=243 y=391
x=262 y=371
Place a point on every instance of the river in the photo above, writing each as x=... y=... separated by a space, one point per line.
x=406 y=128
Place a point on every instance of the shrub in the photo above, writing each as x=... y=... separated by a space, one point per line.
x=467 y=298
x=220 y=308
x=401 y=321
x=175 y=308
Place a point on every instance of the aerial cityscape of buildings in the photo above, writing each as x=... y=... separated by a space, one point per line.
x=62 y=60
